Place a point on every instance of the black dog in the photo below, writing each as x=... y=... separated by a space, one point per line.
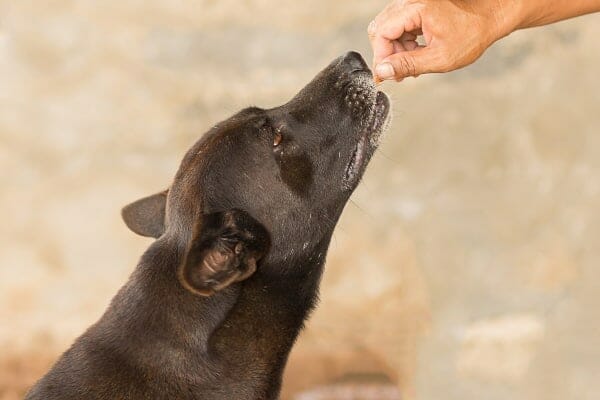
x=217 y=301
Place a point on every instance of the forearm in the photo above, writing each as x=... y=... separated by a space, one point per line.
x=521 y=14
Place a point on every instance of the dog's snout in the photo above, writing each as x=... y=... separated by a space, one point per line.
x=353 y=61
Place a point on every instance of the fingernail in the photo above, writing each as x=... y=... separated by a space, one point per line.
x=385 y=70
x=372 y=27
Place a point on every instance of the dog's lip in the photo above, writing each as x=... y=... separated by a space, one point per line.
x=356 y=160
x=380 y=118
x=369 y=139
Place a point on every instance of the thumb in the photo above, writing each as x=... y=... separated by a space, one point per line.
x=407 y=63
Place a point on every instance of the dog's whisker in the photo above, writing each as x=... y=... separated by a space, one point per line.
x=362 y=209
x=388 y=158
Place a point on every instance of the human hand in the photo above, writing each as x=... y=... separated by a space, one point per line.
x=456 y=33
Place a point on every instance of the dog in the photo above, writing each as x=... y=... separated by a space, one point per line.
x=217 y=301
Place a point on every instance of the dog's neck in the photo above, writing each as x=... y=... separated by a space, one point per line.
x=259 y=331
x=239 y=337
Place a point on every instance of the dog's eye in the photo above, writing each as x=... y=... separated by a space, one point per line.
x=277 y=137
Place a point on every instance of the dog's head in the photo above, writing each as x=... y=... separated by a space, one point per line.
x=269 y=184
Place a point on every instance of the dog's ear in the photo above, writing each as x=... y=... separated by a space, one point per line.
x=146 y=216
x=225 y=249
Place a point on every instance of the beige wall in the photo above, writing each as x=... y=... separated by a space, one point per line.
x=466 y=266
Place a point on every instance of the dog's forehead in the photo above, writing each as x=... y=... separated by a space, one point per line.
x=200 y=153
x=244 y=119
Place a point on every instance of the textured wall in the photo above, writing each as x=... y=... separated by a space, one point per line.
x=466 y=266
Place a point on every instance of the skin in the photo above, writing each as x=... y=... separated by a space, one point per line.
x=456 y=32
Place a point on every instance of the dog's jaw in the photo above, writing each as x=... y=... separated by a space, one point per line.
x=374 y=124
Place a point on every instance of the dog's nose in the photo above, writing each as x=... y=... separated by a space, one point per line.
x=353 y=61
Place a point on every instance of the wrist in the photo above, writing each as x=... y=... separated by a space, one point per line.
x=510 y=16
x=523 y=14
x=528 y=13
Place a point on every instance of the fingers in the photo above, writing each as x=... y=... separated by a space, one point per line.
x=414 y=62
x=406 y=42
x=410 y=45
x=396 y=22
x=382 y=47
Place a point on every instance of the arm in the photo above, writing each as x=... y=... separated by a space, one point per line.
x=456 y=32
x=542 y=12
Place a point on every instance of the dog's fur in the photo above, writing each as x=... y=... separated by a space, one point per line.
x=217 y=301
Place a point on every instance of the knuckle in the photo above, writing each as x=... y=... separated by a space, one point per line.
x=407 y=66
x=372 y=28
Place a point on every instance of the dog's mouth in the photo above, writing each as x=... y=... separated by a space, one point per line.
x=376 y=122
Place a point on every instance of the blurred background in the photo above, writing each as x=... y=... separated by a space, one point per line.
x=465 y=267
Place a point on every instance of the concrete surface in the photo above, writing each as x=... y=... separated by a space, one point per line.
x=466 y=266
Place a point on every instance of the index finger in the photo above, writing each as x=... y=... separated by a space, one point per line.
x=382 y=47
x=393 y=22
